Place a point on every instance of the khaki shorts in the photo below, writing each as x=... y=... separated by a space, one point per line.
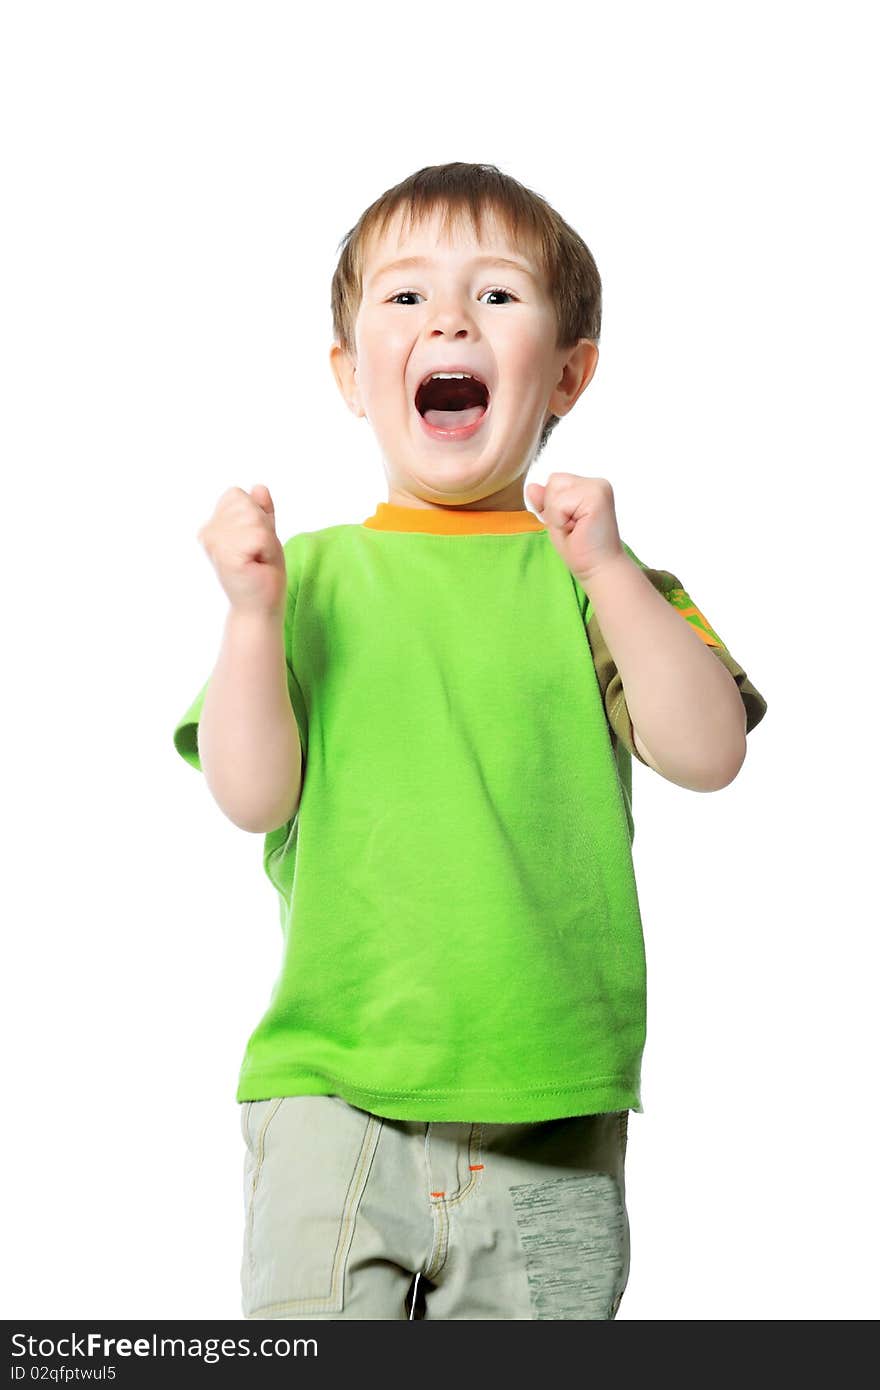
x=353 y=1215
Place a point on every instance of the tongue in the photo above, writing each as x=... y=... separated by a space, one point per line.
x=454 y=419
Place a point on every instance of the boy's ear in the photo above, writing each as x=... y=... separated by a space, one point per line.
x=345 y=371
x=576 y=376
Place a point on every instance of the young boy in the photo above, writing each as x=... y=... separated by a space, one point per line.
x=431 y=715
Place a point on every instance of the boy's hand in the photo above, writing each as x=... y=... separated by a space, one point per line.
x=245 y=551
x=580 y=517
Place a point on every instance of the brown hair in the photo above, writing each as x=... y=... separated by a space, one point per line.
x=569 y=270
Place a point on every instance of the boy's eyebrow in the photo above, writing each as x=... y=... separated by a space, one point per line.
x=406 y=261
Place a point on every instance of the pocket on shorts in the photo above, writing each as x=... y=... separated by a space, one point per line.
x=306 y=1166
x=256 y=1116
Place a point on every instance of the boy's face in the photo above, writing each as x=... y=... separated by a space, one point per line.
x=442 y=315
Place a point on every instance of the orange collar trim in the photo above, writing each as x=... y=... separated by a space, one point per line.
x=451 y=521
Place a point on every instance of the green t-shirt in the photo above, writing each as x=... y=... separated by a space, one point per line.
x=460 y=919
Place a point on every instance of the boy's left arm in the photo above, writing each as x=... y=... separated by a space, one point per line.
x=688 y=716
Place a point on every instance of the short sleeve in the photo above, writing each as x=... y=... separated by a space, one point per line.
x=608 y=676
x=187 y=728
x=186 y=732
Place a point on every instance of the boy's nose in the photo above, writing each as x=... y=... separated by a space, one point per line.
x=452 y=312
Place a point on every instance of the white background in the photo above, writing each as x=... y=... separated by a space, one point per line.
x=176 y=180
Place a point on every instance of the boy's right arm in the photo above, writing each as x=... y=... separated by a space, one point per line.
x=248 y=738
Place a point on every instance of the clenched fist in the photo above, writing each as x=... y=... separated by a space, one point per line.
x=580 y=516
x=244 y=549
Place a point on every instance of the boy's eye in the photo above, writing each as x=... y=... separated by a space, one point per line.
x=498 y=290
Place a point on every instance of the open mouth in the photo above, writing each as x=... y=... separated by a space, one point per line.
x=452 y=402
